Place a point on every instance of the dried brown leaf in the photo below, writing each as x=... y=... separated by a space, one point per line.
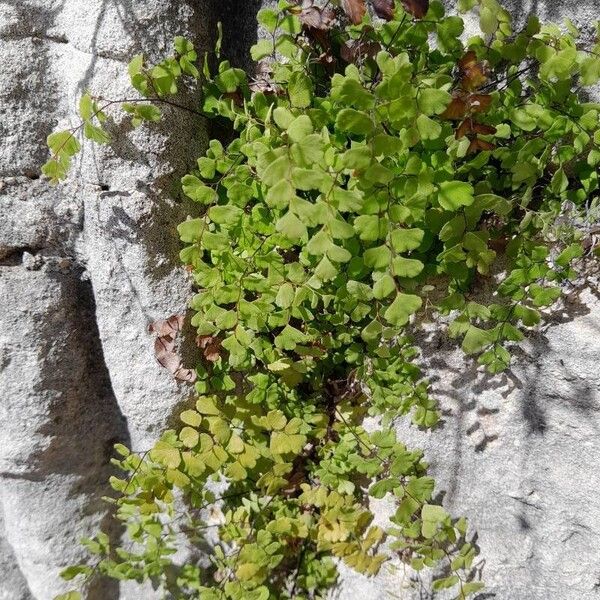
x=170 y=326
x=417 y=8
x=463 y=104
x=355 y=9
x=463 y=129
x=165 y=343
x=163 y=350
x=457 y=109
x=188 y=375
x=479 y=102
x=478 y=145
x=319 y=37
x=468 y=126
x=468 y=60
x=354 y=50
x=164 y=347
x=384 y=9
x=471 y=72
x=484 y=129
x=314 y=17
x=211 y=347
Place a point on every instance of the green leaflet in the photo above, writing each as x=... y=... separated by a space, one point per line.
x=433 y=101
x=406 y=239
x=354 y=121
x=428 y=128
x=401 y=308
x=196 y=190
x=454 y=194
x=300 y=89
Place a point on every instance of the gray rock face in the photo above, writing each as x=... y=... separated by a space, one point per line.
x=86 y=266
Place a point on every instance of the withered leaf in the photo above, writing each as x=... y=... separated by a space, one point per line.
x=354 y=50
x=319 y=37
x=355 y=9
x=462 y=104
x=163 y=350
x=165 y=343
x=188 y=375
x=468 y=126
x=384 y=8
x=457 y=109
x=317 y=18
x=472 y=73
x=484 y=129
x=478 y=145
x=463 y=129
x=417 y=8
x=479 y=102
x=467 y=61
x=164 y=347
x=170 y=326
x=211 y=347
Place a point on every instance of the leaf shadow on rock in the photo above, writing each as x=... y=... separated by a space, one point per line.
x=472 y=397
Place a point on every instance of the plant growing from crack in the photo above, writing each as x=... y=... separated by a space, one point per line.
x=376 y=176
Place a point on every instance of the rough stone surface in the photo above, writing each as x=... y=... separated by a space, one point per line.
x=86 y=266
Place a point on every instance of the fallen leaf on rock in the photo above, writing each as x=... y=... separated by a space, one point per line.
x=170 y=326
x=164 y=347
x=188 y=375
